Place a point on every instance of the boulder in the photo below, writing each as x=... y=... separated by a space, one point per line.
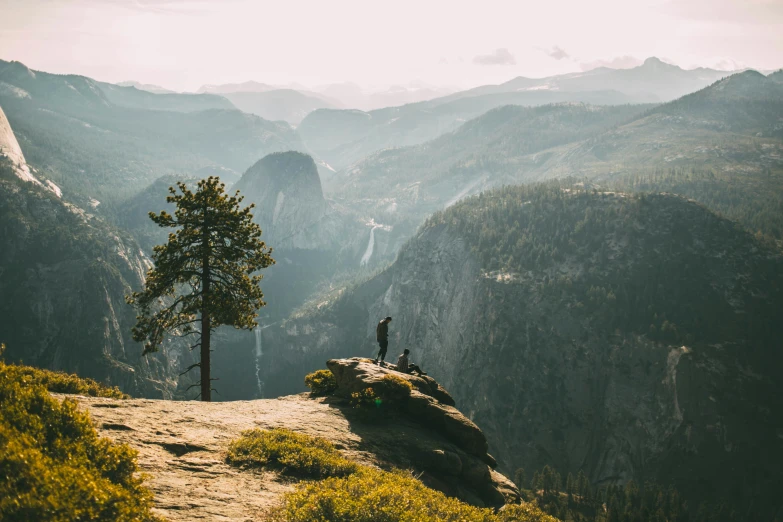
x=356 y=374
x=448 y=421
x=443 y=461
x=505 y=487
x=460 y=466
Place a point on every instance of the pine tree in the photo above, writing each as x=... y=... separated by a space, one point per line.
x=203 y=275
x=536 y=483
x=520 y=478
x=582 y=486
x=570 y=486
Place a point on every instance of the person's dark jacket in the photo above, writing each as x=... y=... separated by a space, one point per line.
x=382 y=331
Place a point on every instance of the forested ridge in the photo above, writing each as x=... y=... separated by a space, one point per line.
x=608 y=254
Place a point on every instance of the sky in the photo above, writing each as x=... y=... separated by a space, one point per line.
x=183 y=44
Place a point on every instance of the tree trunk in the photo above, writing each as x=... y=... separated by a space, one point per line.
x=206 y=381
x=206 y=326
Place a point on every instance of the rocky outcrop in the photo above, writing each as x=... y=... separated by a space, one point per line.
x=462 y=468
x=356 y=374
x=182 y=449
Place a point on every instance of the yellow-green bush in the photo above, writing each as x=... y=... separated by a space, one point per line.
x=60 y=382
x=389 y=392
x=394 y=388
x=349 y=492
x=365 y=399
x=299 y=454
x=376 y=496
x=55 y=467
x=524 y=513
x=372 y=495
x=321 y=382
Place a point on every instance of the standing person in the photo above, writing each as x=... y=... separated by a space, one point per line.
x=405 y=366
x=382 y=335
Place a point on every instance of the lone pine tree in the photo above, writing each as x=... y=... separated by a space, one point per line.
x=203 y=276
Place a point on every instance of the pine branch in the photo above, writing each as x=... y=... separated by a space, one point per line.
x=195 y=365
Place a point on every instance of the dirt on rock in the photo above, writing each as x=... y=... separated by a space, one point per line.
x=182 y=447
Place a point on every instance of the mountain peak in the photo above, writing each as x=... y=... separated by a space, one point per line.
x=285 y=169
x=657 y=63
x=286 y=190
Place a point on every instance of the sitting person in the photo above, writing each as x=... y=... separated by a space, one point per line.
x=405 y=366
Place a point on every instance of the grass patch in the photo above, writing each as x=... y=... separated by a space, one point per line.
x=299 y=454
x=53 y=464
x=349 y=492
x=321 y=382
x=371 y=495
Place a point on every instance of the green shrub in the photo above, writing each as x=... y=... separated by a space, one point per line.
x=299 y=454
x=394 y=388
x=349 y=492
x=365 y=399
x=60 y=382
x=53 y=464
x=372 y=495
x=383 y=395
x=524 y=513
x=321 y=382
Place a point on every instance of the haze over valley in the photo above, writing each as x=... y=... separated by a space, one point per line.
x=578 y=237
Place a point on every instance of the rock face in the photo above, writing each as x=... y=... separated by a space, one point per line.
x=64 y=275
x=289 y=201
x=549 y=384
x=12 y=152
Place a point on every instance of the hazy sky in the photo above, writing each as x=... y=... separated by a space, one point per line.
x=182 y=44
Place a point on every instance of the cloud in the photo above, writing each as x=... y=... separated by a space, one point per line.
x=557 y=53
x=499 y=57
x=158 y=6
x=729 y=11
x=726 y=64
x=618 y=62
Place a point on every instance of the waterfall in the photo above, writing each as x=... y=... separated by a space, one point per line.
x=259 y=354
x=368 y=253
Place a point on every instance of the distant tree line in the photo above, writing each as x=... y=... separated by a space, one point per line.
x=577 y=500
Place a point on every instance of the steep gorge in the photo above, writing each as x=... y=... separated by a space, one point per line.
x=64 y=274
x=630 y=337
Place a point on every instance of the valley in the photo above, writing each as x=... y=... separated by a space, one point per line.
x=591 y=263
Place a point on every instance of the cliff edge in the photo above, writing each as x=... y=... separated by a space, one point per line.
x=182 y=445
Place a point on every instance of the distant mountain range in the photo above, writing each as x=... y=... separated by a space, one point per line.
x=731 y=127
x=342 y=95
x=653 y=81
x=279 y=104
x=342 y=138
x=156 y=89
x=102 y=141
